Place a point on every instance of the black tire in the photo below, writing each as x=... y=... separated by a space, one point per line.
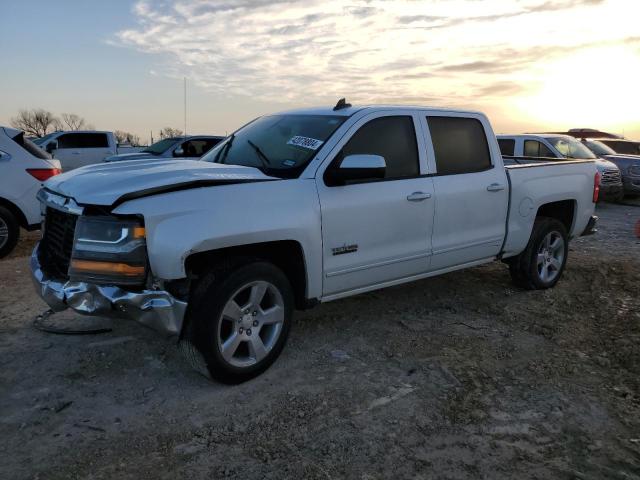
x=204 y=319
x=524 y=269
x=8 y=243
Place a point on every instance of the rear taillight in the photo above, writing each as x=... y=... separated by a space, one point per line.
x=43 y=174
x=596 y=187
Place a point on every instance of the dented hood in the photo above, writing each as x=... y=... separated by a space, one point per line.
x=111 y=183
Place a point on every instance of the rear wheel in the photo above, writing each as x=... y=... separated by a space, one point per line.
x=541 y=264
x=9 y=232
x=240 y=320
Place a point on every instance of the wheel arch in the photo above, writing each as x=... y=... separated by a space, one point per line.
x=288 y=255
x=564 y=211
x=13 y=208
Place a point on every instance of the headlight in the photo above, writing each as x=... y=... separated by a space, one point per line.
x=109 y=250
x=634 y=170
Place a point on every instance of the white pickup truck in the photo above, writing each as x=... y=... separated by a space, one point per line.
x=82 y=147
x=297 y=208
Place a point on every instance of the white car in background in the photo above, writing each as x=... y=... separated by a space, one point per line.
x=23 y=169
x=79 y=148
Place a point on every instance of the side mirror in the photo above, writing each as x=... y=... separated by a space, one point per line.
x=360 y=167
x=51 y=146
x=178 y=152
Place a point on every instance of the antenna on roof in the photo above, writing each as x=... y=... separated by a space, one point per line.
x=342 y=103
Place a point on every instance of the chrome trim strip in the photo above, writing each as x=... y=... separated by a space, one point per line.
x=377 y=264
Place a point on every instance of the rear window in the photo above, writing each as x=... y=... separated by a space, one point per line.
x=30 y=147
x=460 y=145
x=83 y=140
x=507 y=146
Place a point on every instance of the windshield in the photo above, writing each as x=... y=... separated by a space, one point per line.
x=43 y=140
x=279 y=145
x=599 y=148
x=162 y=146
x=571 y=148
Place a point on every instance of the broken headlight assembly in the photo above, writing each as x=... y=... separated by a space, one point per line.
x=109 y=250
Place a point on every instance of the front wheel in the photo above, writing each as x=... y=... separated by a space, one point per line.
x=542 y=262
x=240 y=320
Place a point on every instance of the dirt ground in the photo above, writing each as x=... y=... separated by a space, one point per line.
x=456 y=377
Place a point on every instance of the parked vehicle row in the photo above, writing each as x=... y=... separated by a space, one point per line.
x=79 y=148
x=297 y=208
x=549 y=146
x=192 y=147
x=23 y=170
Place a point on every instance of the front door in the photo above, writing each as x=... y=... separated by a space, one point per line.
x=377 y=231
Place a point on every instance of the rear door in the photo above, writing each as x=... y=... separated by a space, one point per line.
x=77 y=149
x=377 y=231
x=471 y=191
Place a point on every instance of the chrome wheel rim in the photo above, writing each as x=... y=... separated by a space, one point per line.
x=250 y=324
x=4 y=233
x=550 y=257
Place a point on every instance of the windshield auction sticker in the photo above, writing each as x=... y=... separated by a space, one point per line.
x=305 y=142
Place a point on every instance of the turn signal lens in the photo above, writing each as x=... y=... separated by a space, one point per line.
x=110 y=268
x=43 y=174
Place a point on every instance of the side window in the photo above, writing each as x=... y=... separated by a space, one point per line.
x=460 y=145
x=70 y=140
x=507 y=146
x=95 y=140
x=198 y=147
x=83 y=140
x=393 y=138
x=533 y=148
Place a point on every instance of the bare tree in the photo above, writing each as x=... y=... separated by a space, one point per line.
x=126 y=137
x=36 y=122
x=75 y=122
x=167 y=132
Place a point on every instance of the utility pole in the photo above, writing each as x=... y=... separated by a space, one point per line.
x=185 y=107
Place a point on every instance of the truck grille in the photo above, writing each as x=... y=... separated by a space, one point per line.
x=57 y=243
x=611 y=177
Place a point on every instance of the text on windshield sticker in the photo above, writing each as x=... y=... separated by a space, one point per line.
x=305 y=142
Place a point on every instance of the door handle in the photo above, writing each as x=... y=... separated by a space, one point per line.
x=495 y=187
x=418 y=196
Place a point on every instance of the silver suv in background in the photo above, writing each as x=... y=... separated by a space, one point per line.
x=551 y=146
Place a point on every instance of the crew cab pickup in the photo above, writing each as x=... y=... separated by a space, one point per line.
x=297 y=208
x=82 y=147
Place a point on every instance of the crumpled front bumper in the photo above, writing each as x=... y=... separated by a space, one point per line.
x=154 y=308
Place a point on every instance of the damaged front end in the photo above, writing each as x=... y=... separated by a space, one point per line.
x=97 y=265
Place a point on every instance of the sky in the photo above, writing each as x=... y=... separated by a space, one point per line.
x=531 y=65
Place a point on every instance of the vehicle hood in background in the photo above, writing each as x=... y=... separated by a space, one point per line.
x=603 y=164
x=624 y=161
x=110 y=183
x=128 y=156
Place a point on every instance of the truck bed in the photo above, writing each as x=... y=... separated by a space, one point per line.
x=539 y=182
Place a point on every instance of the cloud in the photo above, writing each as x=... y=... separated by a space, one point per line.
x=314 y=51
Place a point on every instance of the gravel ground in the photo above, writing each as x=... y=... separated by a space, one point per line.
x=461 y=376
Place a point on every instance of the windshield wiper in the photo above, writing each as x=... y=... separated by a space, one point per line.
x=225 y=148
x=263 y=158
